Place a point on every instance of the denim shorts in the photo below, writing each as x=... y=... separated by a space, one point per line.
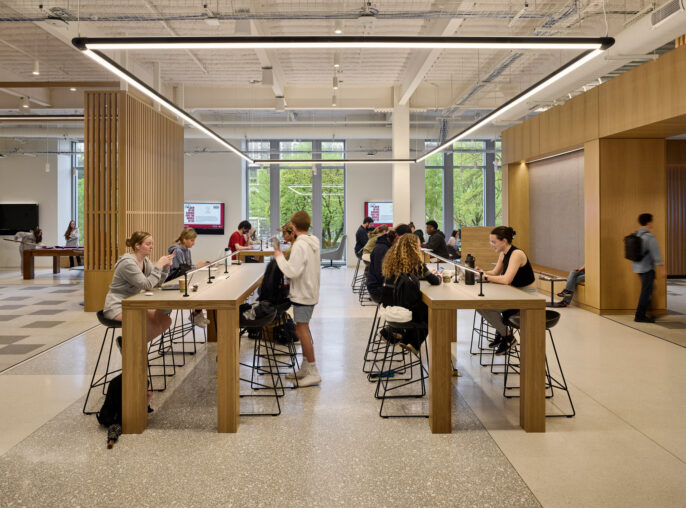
x=302 y=313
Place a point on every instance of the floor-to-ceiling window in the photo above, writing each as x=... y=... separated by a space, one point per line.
x=463 y=185
x=77 y=186
x=276 y=191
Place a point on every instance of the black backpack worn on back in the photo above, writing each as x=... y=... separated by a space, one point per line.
x=633 y=247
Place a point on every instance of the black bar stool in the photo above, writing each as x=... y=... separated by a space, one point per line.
x=111 y=327
x=263 y=351
x=374 y=343
x=552 y=383
x=391 y=365
x=357 y=278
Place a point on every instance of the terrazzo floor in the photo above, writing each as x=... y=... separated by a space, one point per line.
x=625 y=447
x=671 y=327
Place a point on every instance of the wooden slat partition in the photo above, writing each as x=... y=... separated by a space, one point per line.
x=133 y=181
x=676 y=208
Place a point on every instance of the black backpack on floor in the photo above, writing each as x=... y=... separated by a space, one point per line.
x=110 y=412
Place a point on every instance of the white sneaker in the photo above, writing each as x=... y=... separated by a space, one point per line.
x=198 y=320
x=301 y=373
x=311 y=379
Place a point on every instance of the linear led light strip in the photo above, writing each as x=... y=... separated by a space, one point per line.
x=549 y=80
x=343 y=42
x=36 y=118
x=593 y=47
x=145 y=89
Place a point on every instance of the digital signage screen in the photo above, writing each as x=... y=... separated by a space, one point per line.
x=205 y=218
x=381 y=212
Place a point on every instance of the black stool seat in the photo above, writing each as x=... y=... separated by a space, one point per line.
x=551 y=319
x=259 y=322
x=110 y=323
x=408 y=325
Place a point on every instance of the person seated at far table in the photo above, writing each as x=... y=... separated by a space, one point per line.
x=436 y=241
x=453 y=244
x=417 y=232
x=28 y=240
x=371 y=243
x=239 y=240
x=575 y=277
x=183 y=263
x=362 y=235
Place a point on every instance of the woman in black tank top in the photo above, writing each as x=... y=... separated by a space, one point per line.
x=513 y=269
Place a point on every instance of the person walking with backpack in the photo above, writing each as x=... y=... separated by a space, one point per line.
x=303 y=270
x=651 y=260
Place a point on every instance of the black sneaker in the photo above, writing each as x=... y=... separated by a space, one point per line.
x=505 y=345
x=563 y=293
x=496 y=341
x=645 y=319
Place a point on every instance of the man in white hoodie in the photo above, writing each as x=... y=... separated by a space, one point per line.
x=303 y=269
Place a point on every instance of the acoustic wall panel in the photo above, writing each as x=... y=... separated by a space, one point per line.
x=556 y=211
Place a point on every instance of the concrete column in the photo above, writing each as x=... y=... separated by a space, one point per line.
x=401 y=150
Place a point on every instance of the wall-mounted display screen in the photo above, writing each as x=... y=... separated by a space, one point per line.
x=18 y=217
x=205 y=218
x=381 y=212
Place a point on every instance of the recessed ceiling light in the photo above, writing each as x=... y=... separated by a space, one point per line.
x=25 y=103
x=36 y=68
x=338 y=27
x=335 y=82
x=336 y=60
x=333 y=100
x=72 y=89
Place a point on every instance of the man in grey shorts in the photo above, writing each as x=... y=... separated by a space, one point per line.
x=303 y=269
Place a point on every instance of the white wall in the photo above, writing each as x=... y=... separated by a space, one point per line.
x=24 y=180
x=214 y=177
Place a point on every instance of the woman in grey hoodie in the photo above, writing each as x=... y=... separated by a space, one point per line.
x=134 y=273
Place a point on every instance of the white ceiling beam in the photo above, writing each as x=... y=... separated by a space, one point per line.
x=420 y=62
x=268 y=59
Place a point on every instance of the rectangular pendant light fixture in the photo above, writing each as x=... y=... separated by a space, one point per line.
x=93 y=47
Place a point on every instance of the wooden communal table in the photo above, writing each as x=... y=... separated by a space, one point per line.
x=55 y=252
x=222 y=298
x=258 y=254
x=443 y=301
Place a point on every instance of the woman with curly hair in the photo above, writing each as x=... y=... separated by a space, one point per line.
x=403 y=265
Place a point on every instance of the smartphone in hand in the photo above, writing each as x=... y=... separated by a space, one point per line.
x=276 y=244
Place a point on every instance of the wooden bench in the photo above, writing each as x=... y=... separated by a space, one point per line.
x=543 y=286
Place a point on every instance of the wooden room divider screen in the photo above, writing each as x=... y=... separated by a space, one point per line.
x=133 y=180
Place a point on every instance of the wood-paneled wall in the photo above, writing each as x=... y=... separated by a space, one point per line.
x=476 y=241
x=676 y=208
x=632 y=181
x=518 y=203
x=133 y=179
x=647 y=101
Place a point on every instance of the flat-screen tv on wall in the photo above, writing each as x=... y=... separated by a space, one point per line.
x=205 y=218
x=18 y=217
x=381 y=212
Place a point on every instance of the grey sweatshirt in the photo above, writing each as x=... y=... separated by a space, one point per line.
x=128 y=280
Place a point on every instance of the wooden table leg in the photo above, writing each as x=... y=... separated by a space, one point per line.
x=28 y=265
x=532 y=372
x=228 y=390
x=55 y=264
x=212 y=326
x=134 y=371
x=442 y=327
